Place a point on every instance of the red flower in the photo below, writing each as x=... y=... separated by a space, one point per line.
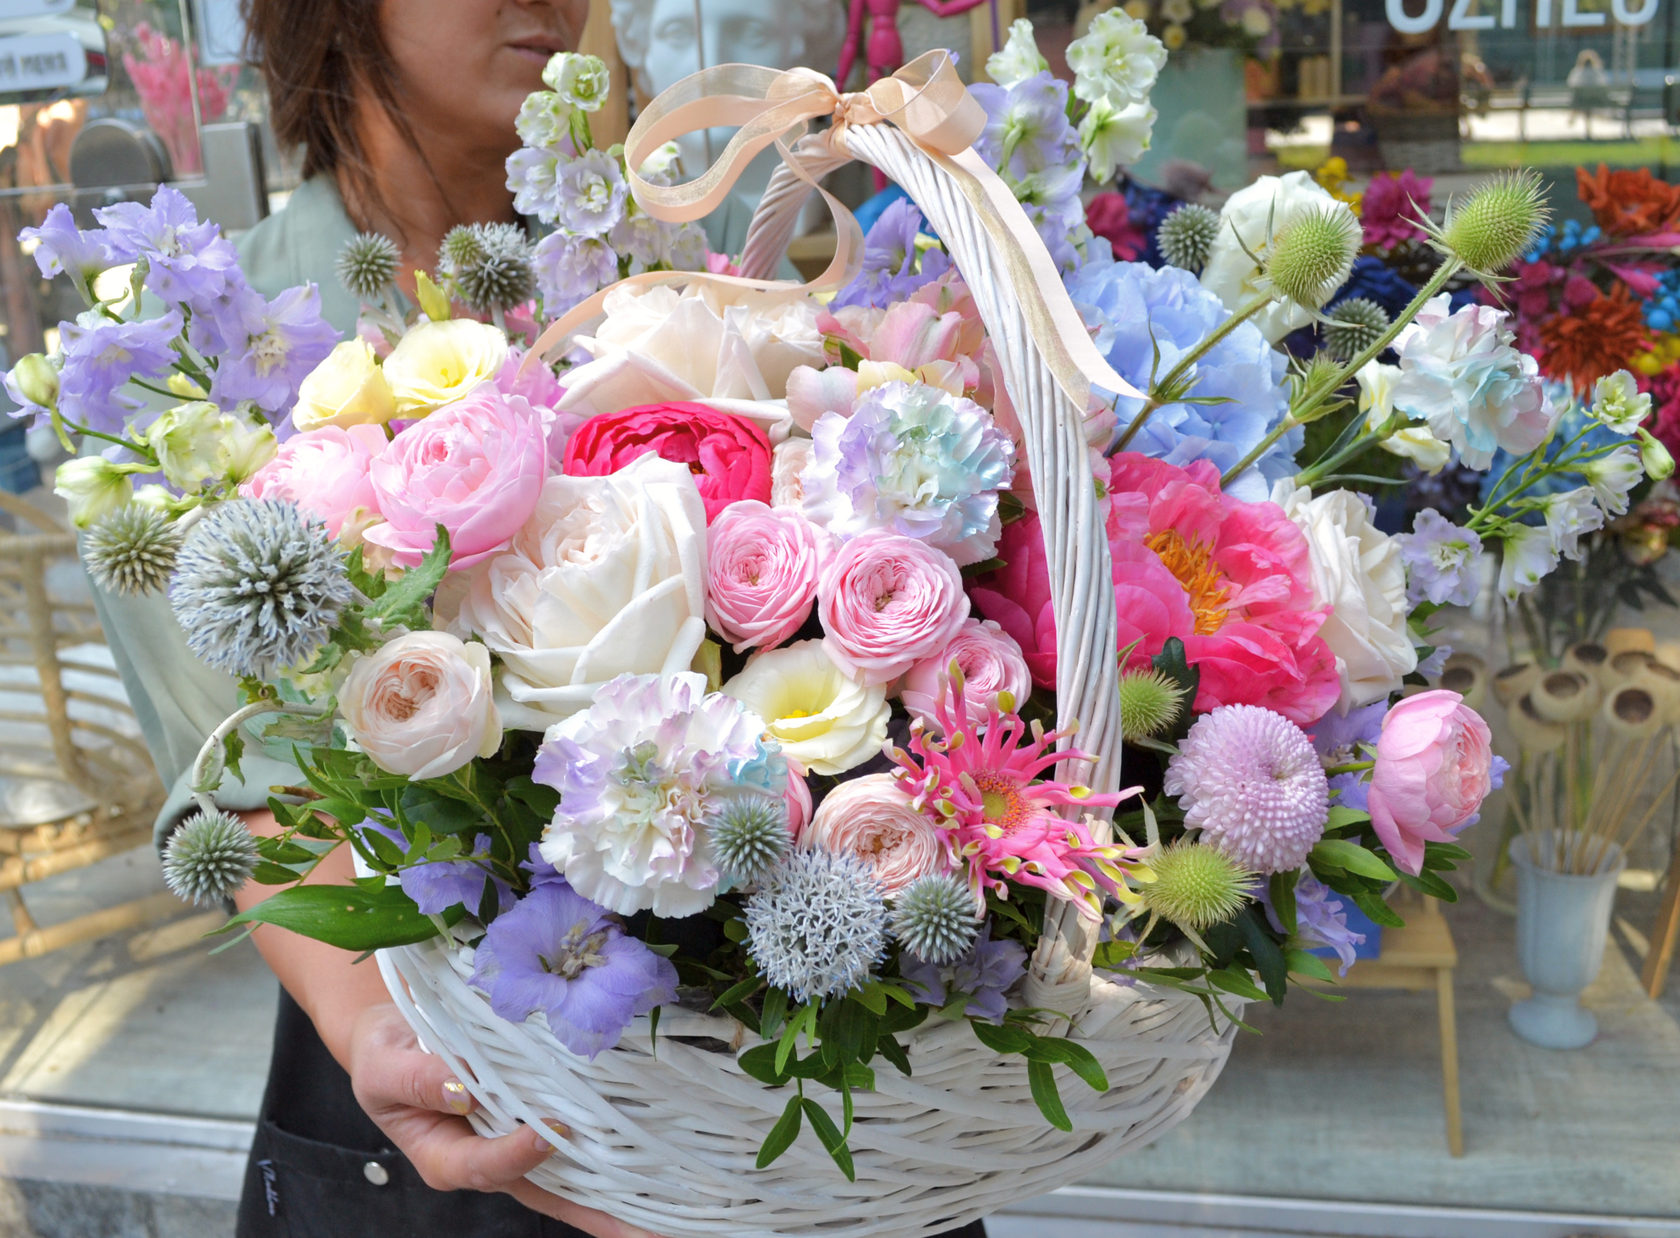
x=1664 y=389
x=728 y=455
x=1629 y=201
x=1390 y=204
x=1593 y=338
x=1110 y=218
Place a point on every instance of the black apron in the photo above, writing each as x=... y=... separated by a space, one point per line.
x=320 y=1168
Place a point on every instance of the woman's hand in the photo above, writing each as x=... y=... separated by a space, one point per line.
x=422 y=1108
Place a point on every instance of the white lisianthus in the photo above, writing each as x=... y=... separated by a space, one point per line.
x=437 y=362
x=607 y=577
x=94 y=486
x=1116 y=61
x=1619 y=403
x=1376 y=401
x=1357 y=571
x=348 y=388
x=1613 y=476
x=245 y=447
x=579 y=79
x=1254 y=214
x=1568 y=516
x=422 y=704
x=1530 y=554
x=186 y=442
x=1115 y=138
x=1018 y=58
x=824 y=721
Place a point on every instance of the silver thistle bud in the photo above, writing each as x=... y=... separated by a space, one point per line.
x=367 y=264
x=933 y=918
x=208 y=857
x=490 y=264
x=132 y=551
x=818 y=924
x=749 y=836
x=1185 y=236
x=1353 y=326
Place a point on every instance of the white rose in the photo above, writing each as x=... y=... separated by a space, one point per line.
x=422 y=704
x=436 y=362
x=824 y=721
x=1231 y=274
x=658 y=345
x=1357 y=571
x=347 y=388
x=607 y=577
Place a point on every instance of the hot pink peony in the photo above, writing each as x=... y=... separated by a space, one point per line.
x=886 y=602
x=1232 y=580
x=762 y=565
x=1434 y=768
x=729 y=455
x=475 y=466
x=990 y=662
x=872 y=818
x=325 y=472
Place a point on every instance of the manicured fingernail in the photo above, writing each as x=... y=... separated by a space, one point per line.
x=558 y=1127
x=538 y=1141
x=456 y=1096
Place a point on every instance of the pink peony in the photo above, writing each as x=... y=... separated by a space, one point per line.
x=325 y=472
x=1232 y=580
x=475 y=466
x=729 y=455
x=872 y=818
x=990 y=662
x=1434 y=768
x=1392 y=201
x=762 y=565
x=886 y=602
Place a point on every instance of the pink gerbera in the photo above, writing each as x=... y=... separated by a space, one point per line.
x=981 y=784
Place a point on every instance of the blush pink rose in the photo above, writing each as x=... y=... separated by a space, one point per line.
x=422 y=704
x=990 y=661
x=798 y=800
x=539 y=387
x=728 y=455
x=325 y=472
x=762 y=565
x=1434 y=768
x=886 y=602
x=872 y=818
x=475 y=466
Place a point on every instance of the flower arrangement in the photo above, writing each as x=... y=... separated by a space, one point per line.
x=715 y=666
x=163 y=74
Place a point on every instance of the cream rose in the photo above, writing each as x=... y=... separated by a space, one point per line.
x=825 y=722
x=787 y=461
x=1231 y=274
x=606 y=577
x=348 y=388
x=872 y=818
x=437 y=362
x=422 y=704
x=1357 y=571
x=658 y=345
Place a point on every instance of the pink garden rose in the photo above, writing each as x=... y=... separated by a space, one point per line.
x=422 y=705
x=762 y=565
x=872 y=818
x=728 y=455
x=1232 y=580
x=325 y=472
x=475 y=466
x=1434 y=768
x=990 y=661
x=886 y=602
x=542 y=390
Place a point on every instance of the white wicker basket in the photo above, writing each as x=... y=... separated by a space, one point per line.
x=666 y=1136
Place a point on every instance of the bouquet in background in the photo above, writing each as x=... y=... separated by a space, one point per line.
x=715 y=664
x=162 y=71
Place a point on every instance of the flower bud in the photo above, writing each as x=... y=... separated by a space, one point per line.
x=94 y=486
x=179 y=384
x=1654 y=458
x=1496 y=224
x=1313 y=253
x=581 y=80
x=36 y=380
x=245 y=448
x=433 y=303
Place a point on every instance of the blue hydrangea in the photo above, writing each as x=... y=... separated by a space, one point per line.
x=1135 y=310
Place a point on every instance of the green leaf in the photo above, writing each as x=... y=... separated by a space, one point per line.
x=760 y=1063
x=1075 y=1056
x=888 y=1047
x=1042 y=1078
x=871 y=998
x=1431 y=884
x=850 y=1028
x=1372 y=904
x=1002 y=1038
x=1350 y=857
x=1236 y=980
x=775 y=1010
x=270 y=874
x=1267 y=954
x=735 y=929
x=1303 y=963
x=404 y=602
x=1112 y=954
x=442 y=814
x=807 y=1017
x=1172 y=663
x=357 y=917
x=1282 y=891
x=233 y=748
x=738 y=992
x=781 y=1135
x=1341 y=817
x=832 y=1140
x=653 y=1031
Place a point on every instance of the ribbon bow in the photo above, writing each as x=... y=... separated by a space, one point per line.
x=929 y=103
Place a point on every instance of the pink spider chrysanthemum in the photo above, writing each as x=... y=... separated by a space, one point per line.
x=981 y=783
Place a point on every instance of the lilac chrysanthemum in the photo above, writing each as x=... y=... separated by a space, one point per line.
x=639 y=773
x=986 y=973
x=915 y=460
x=1250 y=781
x=817 y=925
x=558 y=953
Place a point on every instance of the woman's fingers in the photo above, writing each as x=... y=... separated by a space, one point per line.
x=450 y=1156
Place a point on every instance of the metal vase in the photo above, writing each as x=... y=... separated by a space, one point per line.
x=1563 y=923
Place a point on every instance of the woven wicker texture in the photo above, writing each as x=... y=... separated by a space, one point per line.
x=667 y=1139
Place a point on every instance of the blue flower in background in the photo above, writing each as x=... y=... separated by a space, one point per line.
x=1372 y=279
x=1148 y=206
x=1134 y=310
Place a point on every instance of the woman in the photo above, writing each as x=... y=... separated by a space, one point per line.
x=404 y=110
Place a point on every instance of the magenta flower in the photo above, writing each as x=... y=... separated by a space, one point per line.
x=1392 y=202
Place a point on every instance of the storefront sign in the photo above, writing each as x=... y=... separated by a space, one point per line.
x=30 y=62
x=1469 y=14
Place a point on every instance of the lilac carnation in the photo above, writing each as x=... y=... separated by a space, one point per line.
x=103 y=355
x=986 y=974
x=61 y=248
x=1249 y=780
x=282 y=344
x=1135 y=310
x=558 y=953
x=1320 y=919
x=915 y=460
x=570 y=268
x=889 y=273
x=1440 y=558
x=589 y=194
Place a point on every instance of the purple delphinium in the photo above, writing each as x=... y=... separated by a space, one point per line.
x=532 y=174
x=286 y=341
x=101 y=357
x=1337 y=739
x=1029 y=140
x=63 y=248
x=1440 y=558
x=1320 y=919
x=542 y=872
x=889 y=273
x=986 y=974
x=558 y=953
x=188 y=261
x=589 y=194
x=439 y=885
x=570 y=268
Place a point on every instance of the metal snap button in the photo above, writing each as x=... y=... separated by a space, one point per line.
x=376 y=1173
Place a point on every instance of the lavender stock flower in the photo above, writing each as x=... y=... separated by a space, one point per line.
x=1439 y=557
x=570 y=268
x=558 y=953
x=589 y=194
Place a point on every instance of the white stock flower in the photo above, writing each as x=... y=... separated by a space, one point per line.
x=825 y=722
x=1357 y=571
x=1115 y=138
x=1376 y=401
x=1619 y=403
x=1116 y=61
x=1612 y=476
x=1570 y=515
x=1529 y=555
x=422 y=704
x=579 y=79
x=607 y=577
x=1018 y=58
x=1254 y=214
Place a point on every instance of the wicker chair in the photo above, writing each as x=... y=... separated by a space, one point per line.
x=76 y=783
